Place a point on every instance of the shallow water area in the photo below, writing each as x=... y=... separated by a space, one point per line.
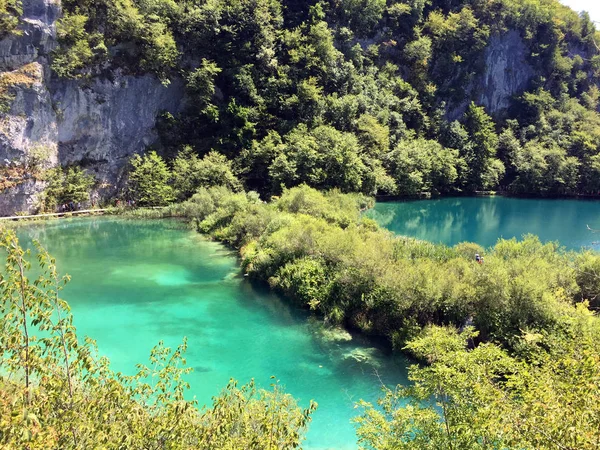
x=486 y=219
x=137 y=282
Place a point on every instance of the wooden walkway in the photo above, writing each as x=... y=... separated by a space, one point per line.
x=72 y=213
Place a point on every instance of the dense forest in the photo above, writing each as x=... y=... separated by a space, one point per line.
x=368 y=96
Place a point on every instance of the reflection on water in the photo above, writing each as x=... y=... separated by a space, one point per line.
x=486 y=219
x=137 y=282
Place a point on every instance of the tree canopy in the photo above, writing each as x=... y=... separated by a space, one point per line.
x=359 y=80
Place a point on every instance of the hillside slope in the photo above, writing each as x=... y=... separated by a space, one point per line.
x=48 y=120
x=393 y=97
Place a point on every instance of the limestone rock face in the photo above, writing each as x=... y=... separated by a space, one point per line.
x=22 y=198
x=31 y=121
x=101 y=126
x=37 y=34
x=98 y=124
x=507 y=72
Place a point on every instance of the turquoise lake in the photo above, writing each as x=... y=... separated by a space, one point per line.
x=485 y=219
x=137 y=282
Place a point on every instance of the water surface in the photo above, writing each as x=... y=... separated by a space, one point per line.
x=137 y=282
x=486 y=219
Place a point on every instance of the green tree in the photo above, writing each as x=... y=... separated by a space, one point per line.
x=423 y=166
x=483 y=172
x=323 y=157
x=418 y=53
x=159 y=50
x=308 y=102
x=201 y=85
x=372 y=136
x=66 y=185
x=340 y=159
x=362 y=16
x=545 y=171
x=185 y=168
x=250 y=73
x=79 y=50
x=148 y=180
x=190 y=173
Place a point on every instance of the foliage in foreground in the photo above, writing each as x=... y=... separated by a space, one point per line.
x=58 y=392
x=485 y=398
x=525 y=375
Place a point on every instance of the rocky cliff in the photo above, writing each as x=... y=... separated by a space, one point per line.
x=98 y=124
x=507 y=72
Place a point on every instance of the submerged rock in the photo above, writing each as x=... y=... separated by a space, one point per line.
x=334 y=334
x=364 y=355
x=234 y=275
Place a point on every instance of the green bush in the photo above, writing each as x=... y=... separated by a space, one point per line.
x=66 y=185
x=10 y=10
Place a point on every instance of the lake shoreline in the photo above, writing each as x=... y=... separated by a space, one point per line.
x=431 y=196
x=128 y=212
x=485 y=219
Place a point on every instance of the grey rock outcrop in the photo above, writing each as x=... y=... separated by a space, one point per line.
x=98 y=124
x=37 y=35
x=22 y=198
x=104 y=124
x=31 y=122
x=507 y=71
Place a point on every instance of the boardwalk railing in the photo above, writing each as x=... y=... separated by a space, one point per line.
x=60 y=214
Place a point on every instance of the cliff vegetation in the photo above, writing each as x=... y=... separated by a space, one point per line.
x=368 y=96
